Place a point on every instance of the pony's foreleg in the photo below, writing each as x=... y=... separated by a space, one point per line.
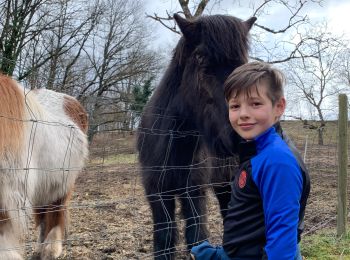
x=194 y=211
x=164 y=228
x=51 y=220
x=9 y=247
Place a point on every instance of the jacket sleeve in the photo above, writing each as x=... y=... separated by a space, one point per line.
x=280 y=185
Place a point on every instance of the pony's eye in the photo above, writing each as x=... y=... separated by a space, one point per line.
x=200 y=59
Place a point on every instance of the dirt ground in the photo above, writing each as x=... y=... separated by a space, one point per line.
x=110 y=218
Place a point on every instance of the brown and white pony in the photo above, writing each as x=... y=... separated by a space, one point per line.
x=43 y=147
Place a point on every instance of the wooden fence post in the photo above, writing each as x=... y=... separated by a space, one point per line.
x=342 y=165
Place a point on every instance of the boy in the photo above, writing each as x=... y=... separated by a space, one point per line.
x=270 y=190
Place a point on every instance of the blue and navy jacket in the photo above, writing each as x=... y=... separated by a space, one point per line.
x=269 y=194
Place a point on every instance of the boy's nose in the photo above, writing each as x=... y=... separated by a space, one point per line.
x=244 y=113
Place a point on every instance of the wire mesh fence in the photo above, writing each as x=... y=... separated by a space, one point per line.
x=110 y=203
x=110 y=217
x=321 y=161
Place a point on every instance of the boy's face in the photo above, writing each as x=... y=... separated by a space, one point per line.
x=254 y=114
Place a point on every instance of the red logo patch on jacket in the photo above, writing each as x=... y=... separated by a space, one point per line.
x=242 y=181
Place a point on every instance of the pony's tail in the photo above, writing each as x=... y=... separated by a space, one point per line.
x=12 y=111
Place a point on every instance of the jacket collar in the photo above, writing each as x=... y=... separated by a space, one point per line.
x=248 y=149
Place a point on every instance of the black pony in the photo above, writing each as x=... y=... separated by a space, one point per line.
x=185 y=126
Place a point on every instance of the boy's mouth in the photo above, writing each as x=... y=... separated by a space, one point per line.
x=246 y=126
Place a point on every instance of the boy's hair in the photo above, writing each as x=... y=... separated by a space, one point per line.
x=251 y=74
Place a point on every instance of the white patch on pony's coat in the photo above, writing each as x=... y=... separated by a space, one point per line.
x=56 y=171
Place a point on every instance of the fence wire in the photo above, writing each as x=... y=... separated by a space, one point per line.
x=109 y=213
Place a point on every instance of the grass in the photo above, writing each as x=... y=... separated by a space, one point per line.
x=326 y=246
x=115 y=158
x=296 y=131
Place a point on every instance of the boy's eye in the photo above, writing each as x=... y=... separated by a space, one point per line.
x=256 y=104
x=234 y=106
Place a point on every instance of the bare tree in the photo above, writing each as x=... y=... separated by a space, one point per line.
x=18 y=18
x=48 y=60
x=315 y=80
x=344 y=71
x=167 y=21
x=36 y=35
x=68 y=39
x=118 y=56
x=279 y=43
x=264 y=48
x=95 y=50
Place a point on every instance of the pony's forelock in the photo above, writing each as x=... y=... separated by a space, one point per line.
x=226 y=38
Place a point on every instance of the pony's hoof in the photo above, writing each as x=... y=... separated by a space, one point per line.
x=52 y=246
x=51 y=251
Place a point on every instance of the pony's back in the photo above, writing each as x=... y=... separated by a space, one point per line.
x=62 y=108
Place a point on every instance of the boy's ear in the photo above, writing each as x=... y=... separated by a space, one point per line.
x=280 y=106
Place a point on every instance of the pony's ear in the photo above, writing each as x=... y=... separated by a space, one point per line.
x=188 y=28
x=249 y=23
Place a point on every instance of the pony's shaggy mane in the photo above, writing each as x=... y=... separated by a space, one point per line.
x=12 y=110
x=226 y=42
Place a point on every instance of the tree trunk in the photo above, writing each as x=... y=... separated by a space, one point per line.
x=320 y=131
x=91 y=132
x=320 y=135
